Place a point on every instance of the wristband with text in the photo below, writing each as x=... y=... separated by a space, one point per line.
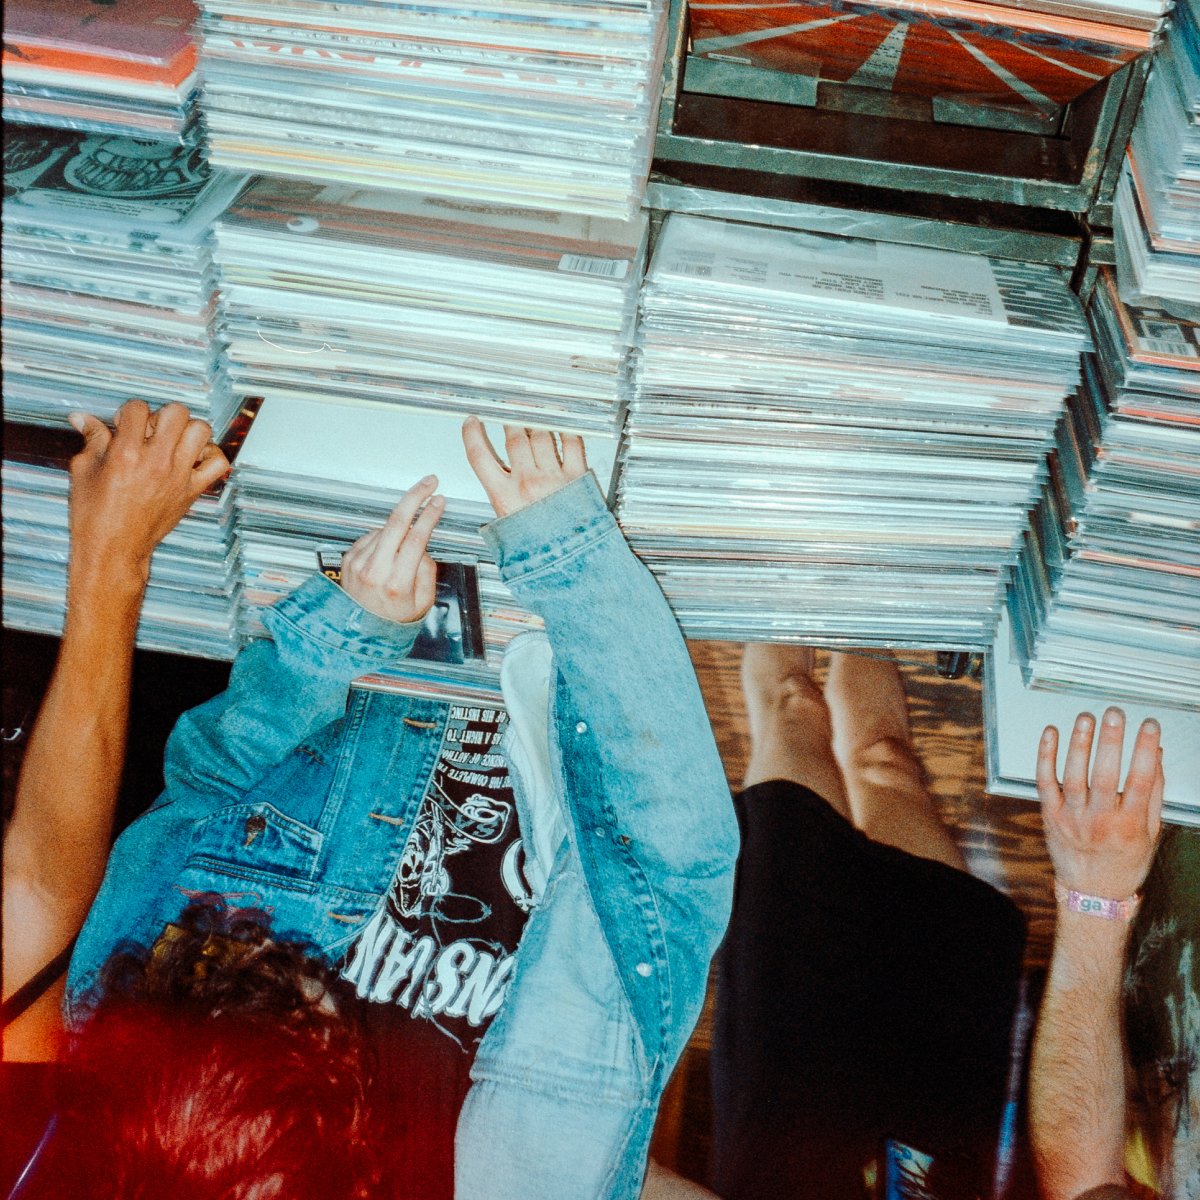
x=1097 y=906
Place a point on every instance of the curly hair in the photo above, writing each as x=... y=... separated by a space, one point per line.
x=219 y=1064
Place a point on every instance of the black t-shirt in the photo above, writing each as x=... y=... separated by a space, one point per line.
x=433 y=964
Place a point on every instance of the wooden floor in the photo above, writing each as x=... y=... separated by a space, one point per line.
x=1000 y=838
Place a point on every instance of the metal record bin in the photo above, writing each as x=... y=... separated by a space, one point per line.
x=757 y=124
x=881 y=214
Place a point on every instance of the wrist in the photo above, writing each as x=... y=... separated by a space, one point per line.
x=108 y=598
x=100 y=572
x=1090 y=951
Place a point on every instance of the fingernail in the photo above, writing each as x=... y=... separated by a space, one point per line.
x=1113 y=716
x=1150 y=725
x=1084 y=721
x=429 y=479
x=76 y=420
x=1047 y=734
x=437 y=501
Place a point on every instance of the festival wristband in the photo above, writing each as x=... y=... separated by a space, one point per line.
x=1097 y=906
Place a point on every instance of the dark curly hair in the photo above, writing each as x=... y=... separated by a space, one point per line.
x=218 y=1064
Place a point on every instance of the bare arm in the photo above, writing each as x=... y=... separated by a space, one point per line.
x=1102 y=843
x=128 y=490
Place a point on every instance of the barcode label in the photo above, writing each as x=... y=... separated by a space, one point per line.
x=698 y=269
x=1162 y=346
x=1165 y=337
x=584 y=264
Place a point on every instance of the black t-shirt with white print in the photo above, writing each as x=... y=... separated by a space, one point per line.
x=433 y=964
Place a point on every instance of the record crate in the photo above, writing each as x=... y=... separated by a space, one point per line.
x=765 y=125
x=1009 y=231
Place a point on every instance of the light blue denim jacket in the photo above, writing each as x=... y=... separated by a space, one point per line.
x=284 y=797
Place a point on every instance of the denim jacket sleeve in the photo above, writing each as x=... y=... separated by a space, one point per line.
x=647 y=800
x=282 y=689
x=610 y=975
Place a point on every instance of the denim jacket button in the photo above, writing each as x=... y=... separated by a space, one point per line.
x=255 y=824
x=600 y=831
x=581 y=727
x=644 y=970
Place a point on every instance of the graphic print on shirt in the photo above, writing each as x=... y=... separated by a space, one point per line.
x=441 y=946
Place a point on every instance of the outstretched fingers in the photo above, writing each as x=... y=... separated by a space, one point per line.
x=1049 y=793
x=416 y=541
x=544 y=449
x=1075 y=769
x=1144 y=777
x=388 y=570
x=573 y=459
x=518 y=448
x=1105 y=784
x=536 y=466
x=396 y=527
x=482 y=457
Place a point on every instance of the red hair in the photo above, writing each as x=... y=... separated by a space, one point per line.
x=215 y=1067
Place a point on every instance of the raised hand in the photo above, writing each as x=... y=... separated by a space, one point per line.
x=389 y=571
x=1100 y=839
x=131 y=487
x=537 y=467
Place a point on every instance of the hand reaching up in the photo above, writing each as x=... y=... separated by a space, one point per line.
x=389 y=571
x=537 y=467
x=1102 y=840
x=130 y=487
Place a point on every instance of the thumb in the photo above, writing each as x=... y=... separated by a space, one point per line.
x=96 y=434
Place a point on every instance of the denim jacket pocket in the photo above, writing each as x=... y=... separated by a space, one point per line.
x=255 y=841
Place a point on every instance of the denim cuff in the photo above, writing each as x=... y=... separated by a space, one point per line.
x=549 y=529
x=320 y=611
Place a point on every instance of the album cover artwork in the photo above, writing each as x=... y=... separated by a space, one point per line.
x=452 y=631
x=944 y=49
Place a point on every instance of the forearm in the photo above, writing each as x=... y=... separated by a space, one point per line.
x=1077 y=1077
x=58 y=839
x=56 y=845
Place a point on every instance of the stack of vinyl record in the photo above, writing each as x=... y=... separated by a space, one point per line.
x=837 y=440
x=333 y=293
x=1107 y=594
x=1157 y=212
x=311 y=478
x=189 y=606
x=127 y=68
x=547 y=104
x=108 y=285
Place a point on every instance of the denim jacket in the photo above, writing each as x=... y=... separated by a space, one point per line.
x=283 y=797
